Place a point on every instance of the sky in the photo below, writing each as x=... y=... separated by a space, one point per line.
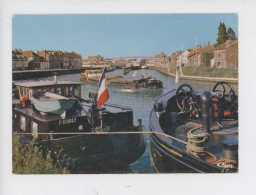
x=118 y=35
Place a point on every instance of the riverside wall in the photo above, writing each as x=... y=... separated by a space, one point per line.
x=197 y=78
x=29 y=74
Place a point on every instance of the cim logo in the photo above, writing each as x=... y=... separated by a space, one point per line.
x=67 y=121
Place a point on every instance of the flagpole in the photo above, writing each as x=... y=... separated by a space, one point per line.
x=94 y=103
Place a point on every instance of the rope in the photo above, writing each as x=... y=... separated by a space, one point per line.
x=109 y=133
x=196 y=139
x=199 y=151
x=194 y=150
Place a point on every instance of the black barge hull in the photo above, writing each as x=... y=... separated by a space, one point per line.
x=169 y=142
x=97 y=153
x=170 y=160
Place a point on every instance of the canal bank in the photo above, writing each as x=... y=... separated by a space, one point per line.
x=30 y=74
x=196 y=78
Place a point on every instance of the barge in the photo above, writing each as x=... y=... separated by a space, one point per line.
x=195 y=131
x=80 y=134
x=121 y=82
x=127 y=69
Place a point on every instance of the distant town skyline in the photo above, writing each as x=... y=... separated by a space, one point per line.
x=118 y=35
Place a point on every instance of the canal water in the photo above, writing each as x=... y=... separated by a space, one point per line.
x=141 y=101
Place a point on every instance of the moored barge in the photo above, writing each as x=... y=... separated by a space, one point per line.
x=195 y=131
x=78 y=134
x=121 y=82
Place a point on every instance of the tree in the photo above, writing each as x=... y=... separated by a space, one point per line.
x=207 y=58
x=142 y=61
x=222 y=34
x=231 y=34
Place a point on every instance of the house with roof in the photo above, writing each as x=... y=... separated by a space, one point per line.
x=74 y=60
x=174 y=57
x=226 y=55
x=162 y=59
x=182 y=58
x=59 y=59
x=195 y=57
x=55 y=58
x=95 y=59
x=19 y=61
x=35 y=61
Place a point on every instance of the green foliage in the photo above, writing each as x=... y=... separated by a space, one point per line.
x=207 y=58
x=231 y=34
x=28 y=159
x=207 y=71
x=142 y=61
x=222 y=34
x=215 y=45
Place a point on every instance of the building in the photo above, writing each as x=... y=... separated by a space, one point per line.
x=55 y=58
x=74 y=60
x=35 y=61
x=19 y=61
x=163 y=59
x=182 y=59
x=59 y=59
x=226 y=55
x=174 y=57
x=95 y=59
x=195 y=57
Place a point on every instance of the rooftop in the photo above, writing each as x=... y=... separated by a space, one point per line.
x=32 y=84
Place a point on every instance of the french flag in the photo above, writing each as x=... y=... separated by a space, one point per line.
x=103 y=94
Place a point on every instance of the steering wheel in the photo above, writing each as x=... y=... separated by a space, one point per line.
x=226 y=99
x=186 y=98
x=224 y=90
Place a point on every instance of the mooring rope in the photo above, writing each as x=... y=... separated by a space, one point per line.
x=109 y=133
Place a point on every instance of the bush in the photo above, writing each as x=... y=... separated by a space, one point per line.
x=28 y=159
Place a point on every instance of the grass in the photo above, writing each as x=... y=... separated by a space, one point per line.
x=207 y=71
x=28 y=159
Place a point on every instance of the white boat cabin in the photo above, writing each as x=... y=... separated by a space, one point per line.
x=63 y=88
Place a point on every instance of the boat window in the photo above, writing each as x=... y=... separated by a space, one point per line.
x=58 y=91
x=52 y=90
x=23 y=123
x=70 y=91
x=62 y=91
x=21 y=91
x=34 y=129
x=75 y=91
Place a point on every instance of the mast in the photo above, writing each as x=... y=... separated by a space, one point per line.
x=181 y=73
x=196 y=52
x=177 y=73
x=94 y=103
